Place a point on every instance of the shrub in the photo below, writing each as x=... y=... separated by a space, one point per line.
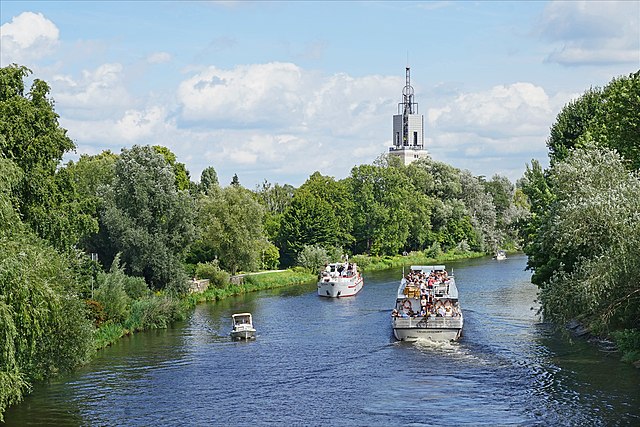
x=136 y=287
x=313 y=257
x=211 y=270
x=155 y=312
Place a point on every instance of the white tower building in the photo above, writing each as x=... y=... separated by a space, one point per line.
x=408 y=127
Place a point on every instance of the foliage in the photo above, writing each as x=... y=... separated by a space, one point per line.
x=231 y=223
x=147 y=219
x=32 y=138
x=154 y=312
x=111 y=293
x=208 y=181
x=593 y=234
x=313 y=257
x=380 y=196
x=308 y=220
x=44 y=328
x=179 y=170
x=211 y=270
x=628 y=342
x=608 y=117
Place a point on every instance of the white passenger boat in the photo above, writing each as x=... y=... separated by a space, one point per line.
x=242 y=327
x=500 y=255
x=427 y=306
x=341 y=279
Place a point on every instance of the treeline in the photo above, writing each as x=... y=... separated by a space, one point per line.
x=583 y=235
x=103 y=245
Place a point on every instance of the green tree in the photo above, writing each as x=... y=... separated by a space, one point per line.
x=308 y=220
x=381 y=215
x=208 y=181
x=179 y=170
x=593 y=229
x=231 y=223
x=147 y=218
x=32 y=138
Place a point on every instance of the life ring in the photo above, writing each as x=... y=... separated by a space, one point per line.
x=406 y=305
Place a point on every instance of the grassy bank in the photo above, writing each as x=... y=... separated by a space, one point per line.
x=371 y=263
x=251 y=283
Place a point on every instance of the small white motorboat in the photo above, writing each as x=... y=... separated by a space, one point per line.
x=500 y=255
x=242 y=327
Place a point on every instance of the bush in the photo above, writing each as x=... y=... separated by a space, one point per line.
x=112 y=296
x=628 y=342
x=156 y=312
x=313 y=257
x=211 y=270
x=136 y=287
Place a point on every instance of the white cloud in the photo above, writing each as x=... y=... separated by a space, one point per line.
x=159 y=58
x=96 y=93
x=248 y=94
x=592 y=32
x=29 y=36
x=517 y=109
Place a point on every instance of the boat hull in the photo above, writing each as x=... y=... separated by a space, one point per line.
x=433 y=329
x=340 y=287
x=248 y=334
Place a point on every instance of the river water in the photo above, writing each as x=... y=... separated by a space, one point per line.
x=324 y=362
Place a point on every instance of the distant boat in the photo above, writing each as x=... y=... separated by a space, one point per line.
x=340 y=279
x=242 y=327
x=500 y=255
x=427 y=306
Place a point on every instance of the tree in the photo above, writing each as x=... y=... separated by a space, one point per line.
x=32 y=138
x=231 y=223
x=381 y=216
x=208 y=181
x=180 y=171
x=147 y=218
x=607 y=117
x=592 y=229
x=308 y=220
x=275 y=198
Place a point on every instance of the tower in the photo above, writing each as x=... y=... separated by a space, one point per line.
x=408 y=127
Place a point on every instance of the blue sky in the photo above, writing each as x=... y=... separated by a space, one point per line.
x=278 y=90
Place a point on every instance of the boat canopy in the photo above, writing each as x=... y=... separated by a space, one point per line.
x=241 y=318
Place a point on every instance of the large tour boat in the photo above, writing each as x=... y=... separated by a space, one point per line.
x=340 y=279
x=427 y=306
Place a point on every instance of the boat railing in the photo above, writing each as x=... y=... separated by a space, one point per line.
x=428 y=322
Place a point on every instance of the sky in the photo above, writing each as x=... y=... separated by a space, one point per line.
x=278 y=90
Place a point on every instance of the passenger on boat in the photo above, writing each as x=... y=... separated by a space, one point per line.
x=441 y=311
x=394 y=313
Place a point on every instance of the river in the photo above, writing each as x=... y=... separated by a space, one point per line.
x=325 y=362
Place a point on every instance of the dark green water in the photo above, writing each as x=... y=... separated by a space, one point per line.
x=324 y=362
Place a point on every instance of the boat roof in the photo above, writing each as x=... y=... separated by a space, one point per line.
x=241 y=315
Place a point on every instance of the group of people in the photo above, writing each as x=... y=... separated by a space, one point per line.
x=439 y=309
x=345 y=269
x=429 y=305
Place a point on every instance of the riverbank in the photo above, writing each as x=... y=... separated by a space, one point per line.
x=371 y=263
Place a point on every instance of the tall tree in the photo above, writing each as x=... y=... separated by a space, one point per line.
x=31 y=136
x=231 y=222
x=308 y=220
x=381 y=215
x=147 y=218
